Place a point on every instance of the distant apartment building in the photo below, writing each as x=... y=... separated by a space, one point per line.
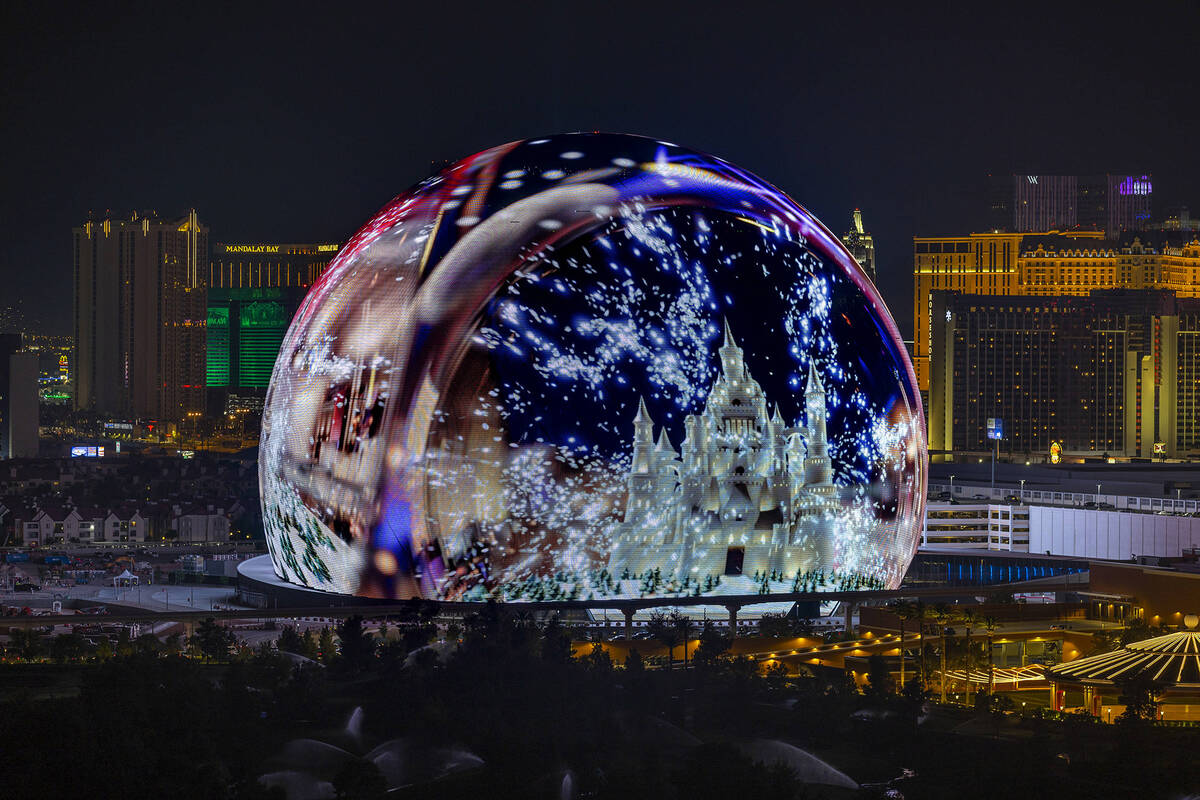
x=18 y=399
x=200 y=523
x=53 y=525
x=60 y=525
x=860 y=243
x=254 y=290
x=1022 y=264
x=1115 y=373
x=140 y=305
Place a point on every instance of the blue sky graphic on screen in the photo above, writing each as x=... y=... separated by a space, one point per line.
x=592 y=366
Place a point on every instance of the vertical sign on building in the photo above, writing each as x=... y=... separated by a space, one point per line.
x=995 y=432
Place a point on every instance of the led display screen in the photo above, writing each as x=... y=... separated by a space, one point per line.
x=592 y=366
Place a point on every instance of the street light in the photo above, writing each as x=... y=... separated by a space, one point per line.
x=951 y=487
x=1098 y=485
x=1023 y=490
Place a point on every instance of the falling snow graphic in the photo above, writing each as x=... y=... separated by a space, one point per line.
x=461 y=407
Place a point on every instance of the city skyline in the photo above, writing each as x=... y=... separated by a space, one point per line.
x=602 y=401
x=312 y=170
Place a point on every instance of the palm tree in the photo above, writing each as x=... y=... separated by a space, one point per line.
x=970 y=619
x=942 y=615
x=989 y=625
x=904 y=611
x=666 y=634
x=920 y=610
x=683 y=626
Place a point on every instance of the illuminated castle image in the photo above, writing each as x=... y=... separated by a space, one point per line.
x=748 y=493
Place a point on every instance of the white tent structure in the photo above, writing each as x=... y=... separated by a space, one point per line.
x=125 y=580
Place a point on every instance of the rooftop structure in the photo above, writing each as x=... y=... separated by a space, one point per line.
x=1172 y=660
x=860 y=243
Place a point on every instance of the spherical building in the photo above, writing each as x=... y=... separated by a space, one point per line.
x=592 y=366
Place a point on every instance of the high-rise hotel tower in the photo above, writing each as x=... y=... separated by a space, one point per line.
x=140 y=307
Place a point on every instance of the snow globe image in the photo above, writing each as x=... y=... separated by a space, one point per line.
x=592 y=366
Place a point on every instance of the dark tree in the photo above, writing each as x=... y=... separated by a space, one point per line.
x=713 y=644
x=26 y=643
x=290 y=641
x=556 y=642
x=598 y=659
x=212 y=639
x=358 y=647
x=774 y=626
x=326 y=650
x=1139 y=694
x=879 y=678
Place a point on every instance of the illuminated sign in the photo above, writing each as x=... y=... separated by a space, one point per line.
x=1055 y=452
x=1135 y=186
x=995 y=428
x=1160 y=448
x=1032 y=179
x=275 y=249
x=118 y=426
x=86 y=451
x=251 y=248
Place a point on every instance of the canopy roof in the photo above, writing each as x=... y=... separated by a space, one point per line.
x=1007 y=677
x=1173 y=660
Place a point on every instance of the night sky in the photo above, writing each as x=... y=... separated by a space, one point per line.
x=281 y=125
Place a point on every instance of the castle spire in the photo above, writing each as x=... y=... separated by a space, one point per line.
x=815 y=386
x=643 y=413
x=643 y=426
x=732 y=365
x=664 y=442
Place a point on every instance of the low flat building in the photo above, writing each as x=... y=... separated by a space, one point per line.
x=1073 y=532
x=1111 y=535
